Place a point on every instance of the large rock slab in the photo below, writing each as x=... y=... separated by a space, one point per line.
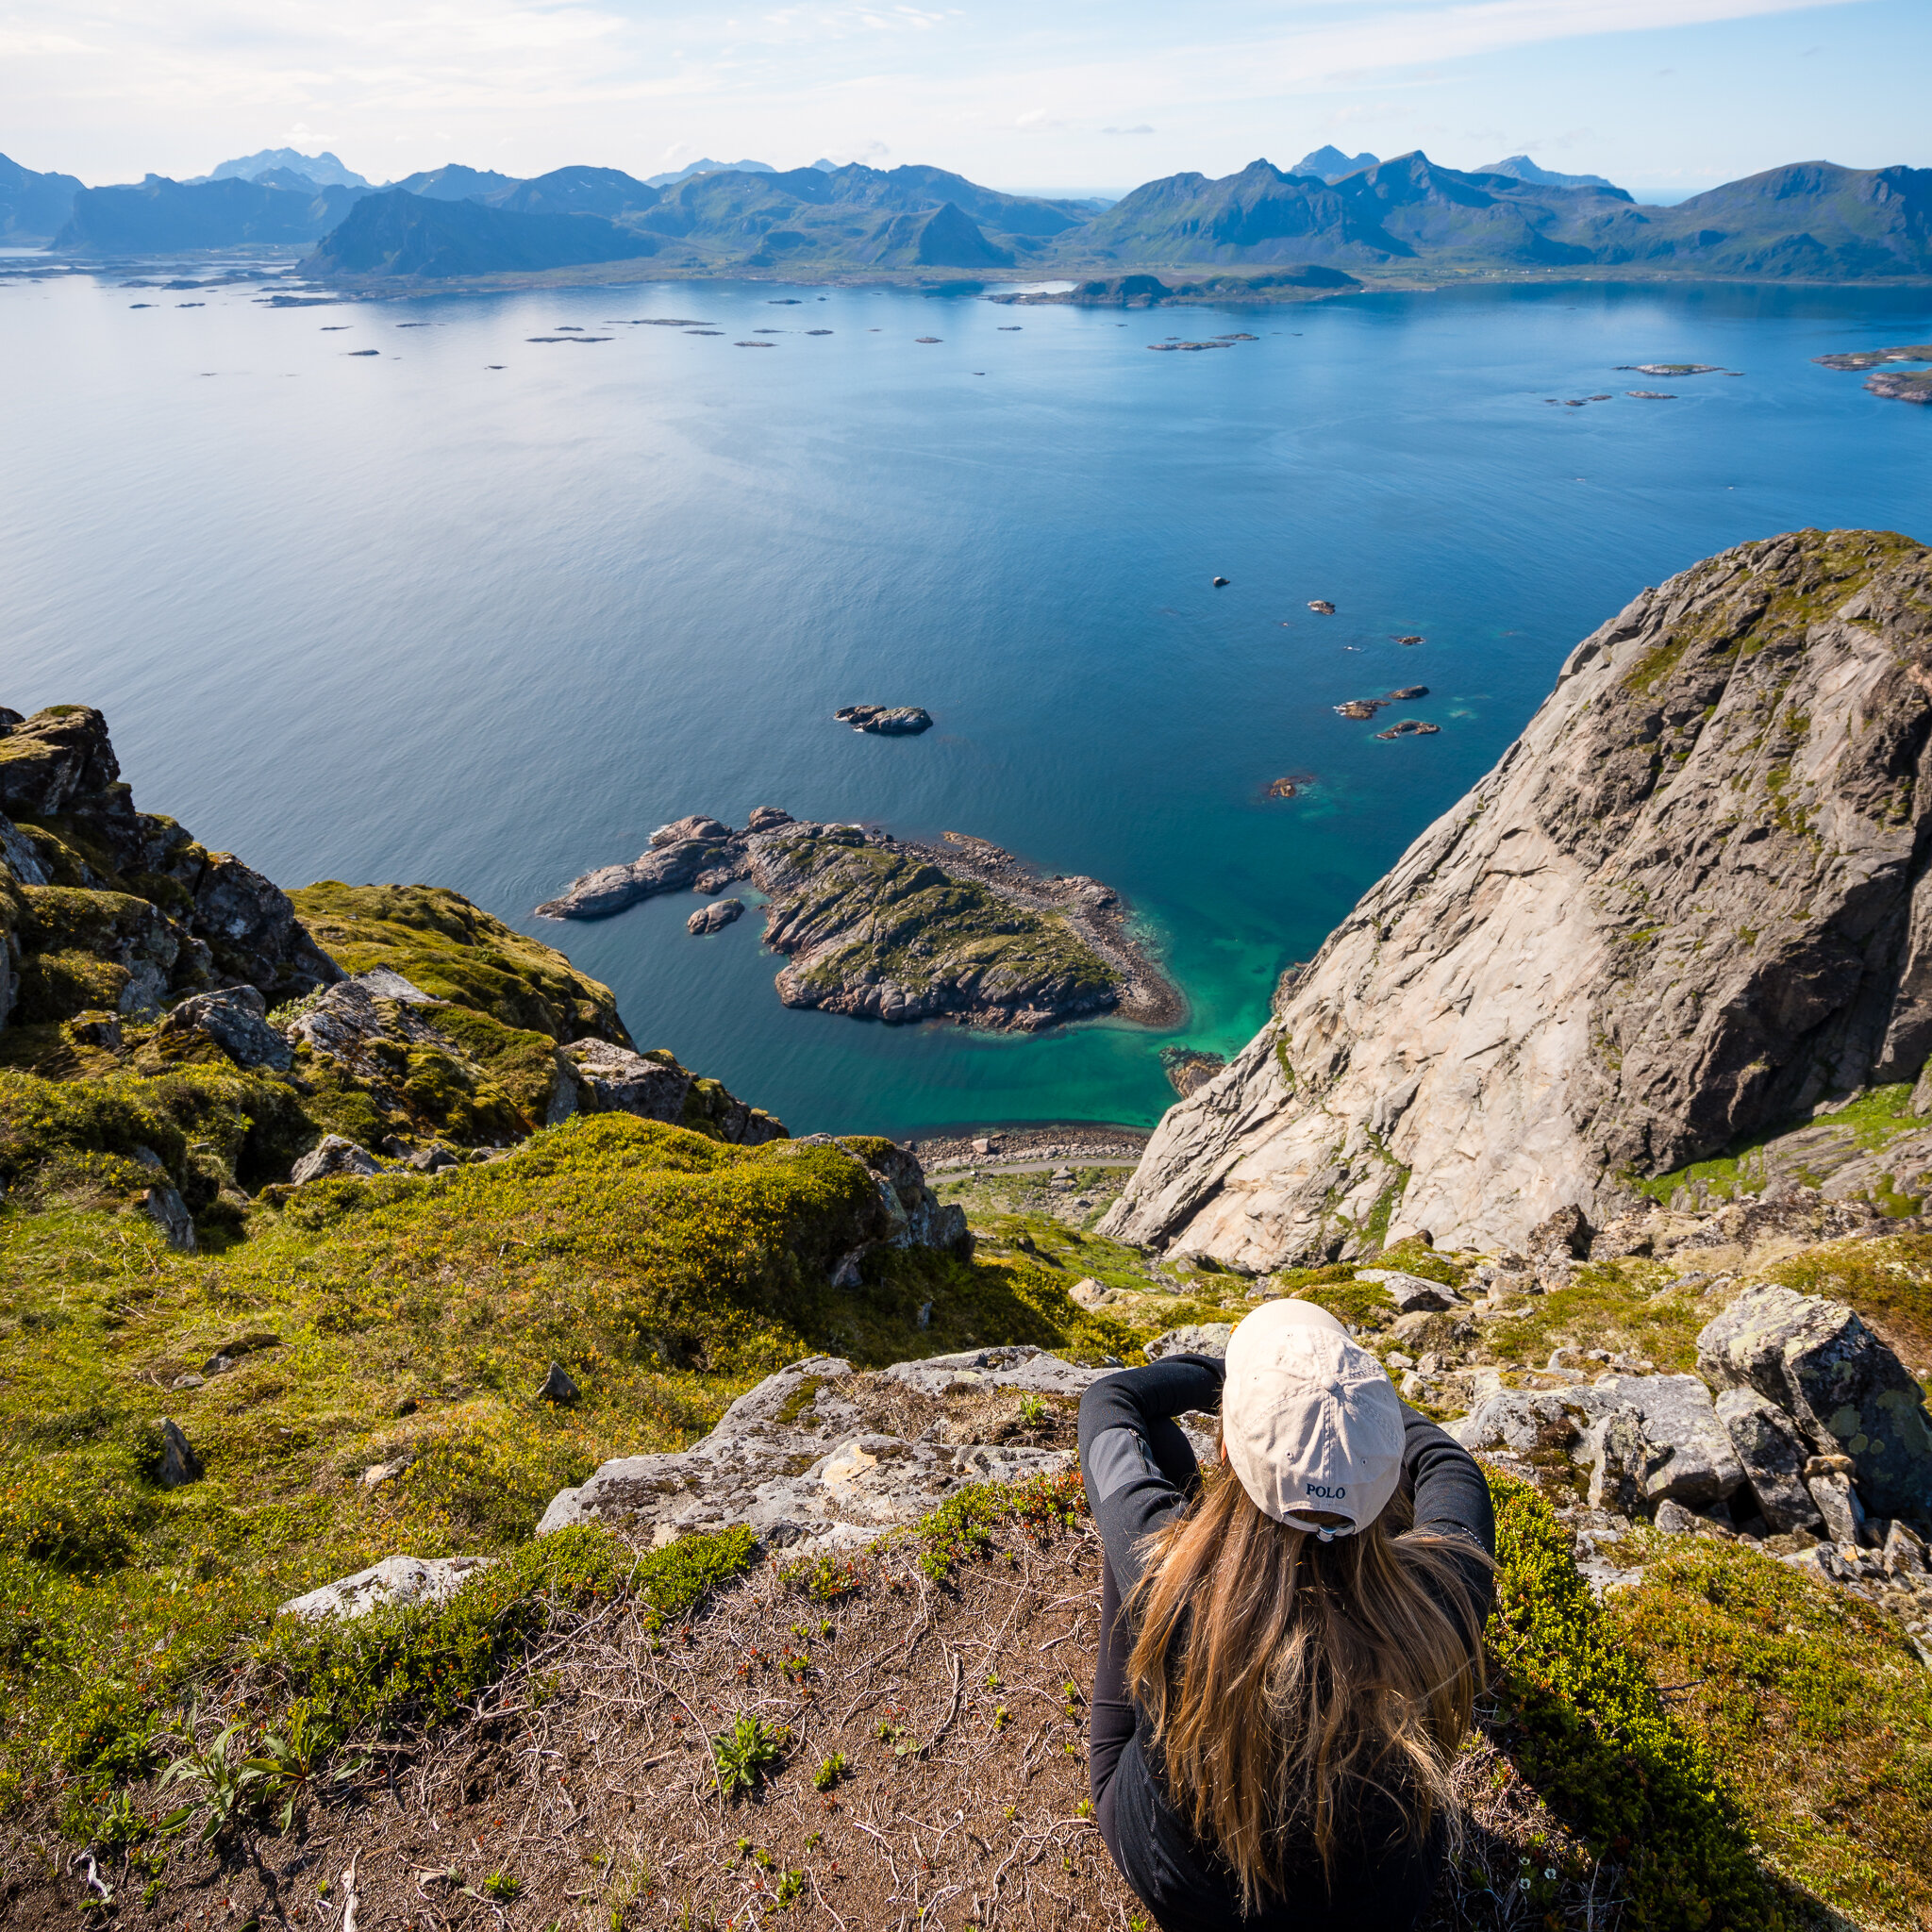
x=1691 y=900
x=235 y=1018
x=807 y=1457
x=1648 y=1438
x=1846 y=1390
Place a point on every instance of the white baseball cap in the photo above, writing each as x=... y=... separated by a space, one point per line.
x=1310 y=1420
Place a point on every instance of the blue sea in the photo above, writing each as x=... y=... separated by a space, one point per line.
x=482 y=611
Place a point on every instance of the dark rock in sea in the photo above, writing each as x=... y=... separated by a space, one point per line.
x=1221 y=583
x=1289 y=785
x=1651 y=395
x=929 y=338
x=709 y=918
x=1361 y=707
x=1414 y=638
x=1410 y=727
x=1189 y=1070
x=886 y=721
x=1407 y=694
x=1322 y=604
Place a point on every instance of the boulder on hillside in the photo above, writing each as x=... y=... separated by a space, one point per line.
x=1773 y=1457
x=1411 y=1293
x=1192 y=1338
x=394 y=1580
x=235 y=1019
x=1644 y=1437
x=653 y=1087
x=823 y=1458
x=332 y=1158
x=1848 y=1393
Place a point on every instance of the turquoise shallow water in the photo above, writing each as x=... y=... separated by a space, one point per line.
x=411 y=616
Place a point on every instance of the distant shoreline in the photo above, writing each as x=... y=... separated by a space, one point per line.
x=646 y=269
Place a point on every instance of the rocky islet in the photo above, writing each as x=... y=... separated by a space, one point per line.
x=876 y=927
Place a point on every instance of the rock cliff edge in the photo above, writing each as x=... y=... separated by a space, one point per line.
x=1690 y=903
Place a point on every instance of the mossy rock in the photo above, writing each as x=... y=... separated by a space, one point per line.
x=62 y=985
x=442 y=944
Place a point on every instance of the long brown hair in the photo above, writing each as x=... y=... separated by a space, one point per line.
x=1288 y=1679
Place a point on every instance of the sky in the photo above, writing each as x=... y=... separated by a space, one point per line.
x=1663 y=96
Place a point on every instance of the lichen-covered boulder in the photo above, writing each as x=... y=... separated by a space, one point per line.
x=333 y=1157
x=1846 y=1390
x=235 y=1019
x=1411 y=1293
x=607 y=1078
x=394 y=1580
x=1192 y=1338
x=823 y=1456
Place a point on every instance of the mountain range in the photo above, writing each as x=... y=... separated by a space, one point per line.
x=1406 y=215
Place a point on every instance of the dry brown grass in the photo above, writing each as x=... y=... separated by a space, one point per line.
x=580 y=1792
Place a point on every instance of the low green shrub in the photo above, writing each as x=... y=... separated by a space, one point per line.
x=1584 y=1721
x=413 y=1666
x=961 y=1530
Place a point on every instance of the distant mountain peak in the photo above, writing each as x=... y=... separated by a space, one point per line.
x=324 y=170
x=1331 y=166
x=708 y=166
x=1521 y=168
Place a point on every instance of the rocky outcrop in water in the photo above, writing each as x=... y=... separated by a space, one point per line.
x=882 y=929
x=888 y=720
x=1690 y=903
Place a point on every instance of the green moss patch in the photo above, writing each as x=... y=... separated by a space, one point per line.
x=440 y=942
x=1583 y=1721
x=1817 y=1707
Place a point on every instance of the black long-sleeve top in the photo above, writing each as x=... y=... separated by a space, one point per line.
x=1131 y=1449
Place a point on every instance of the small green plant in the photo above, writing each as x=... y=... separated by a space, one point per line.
x=746 y=1754
x=1033 y=1410
x=226 y=1788
x=823 y=1578
x=831 y=1770
x=791 y=1888
x=503 y=1886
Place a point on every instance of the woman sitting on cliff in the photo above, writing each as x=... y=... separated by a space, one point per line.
x=1289 y=1646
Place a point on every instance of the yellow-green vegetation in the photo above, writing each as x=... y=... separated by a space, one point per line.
x=448 y=947
x=1816 y=1706
x=1746 y=1167
x=387 y=1337
x=1629 y=1306
x=1888 y=1282
x=1584 y=1721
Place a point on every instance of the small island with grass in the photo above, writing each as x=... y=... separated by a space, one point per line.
x=882 y=928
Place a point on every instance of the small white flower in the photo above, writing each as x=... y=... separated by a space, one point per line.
x=1549 y=1871
x=1523 y=1883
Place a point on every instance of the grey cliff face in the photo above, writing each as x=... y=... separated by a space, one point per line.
x=1689 y=901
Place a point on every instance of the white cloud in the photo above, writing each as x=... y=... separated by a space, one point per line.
x=108 y=88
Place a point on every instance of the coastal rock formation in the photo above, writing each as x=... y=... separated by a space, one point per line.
x=1688 y=903
x=1189 y=1068
x=887 y=721
x=823 y=1457
x=709 y=918
x=882 y=929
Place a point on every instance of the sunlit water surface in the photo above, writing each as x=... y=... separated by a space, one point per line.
x=410 y=616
